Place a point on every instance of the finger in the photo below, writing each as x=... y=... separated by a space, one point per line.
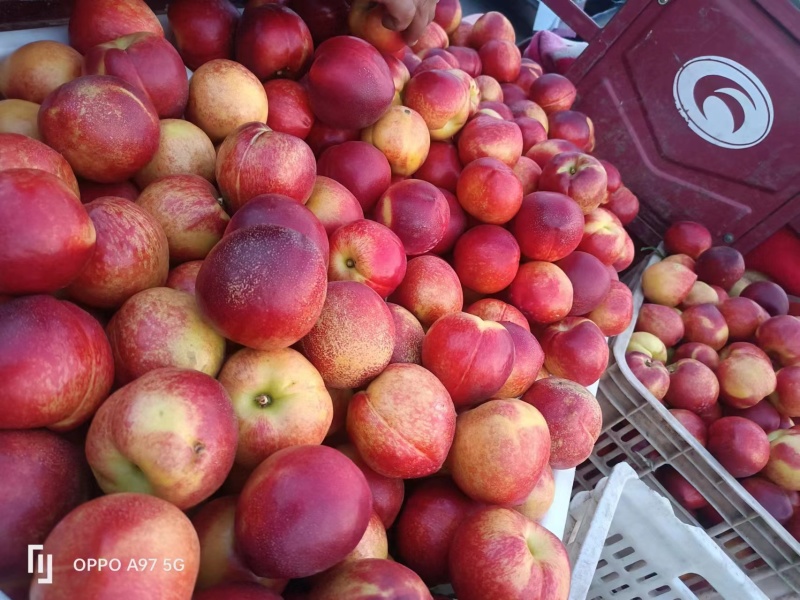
x=416 y=29
x=426 y=11
x=431 y=9
x=399 y=14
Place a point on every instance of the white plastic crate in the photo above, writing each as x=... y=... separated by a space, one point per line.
x=625 y=542
x=639 y=430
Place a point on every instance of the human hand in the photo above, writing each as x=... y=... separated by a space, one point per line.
x=408 y=16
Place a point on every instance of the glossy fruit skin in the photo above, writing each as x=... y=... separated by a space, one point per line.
x=286 y=485
x=267 y=314
x=355 y=106
x=41 y=334
x=46 y=237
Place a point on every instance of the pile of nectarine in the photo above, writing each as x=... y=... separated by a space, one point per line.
x=721 y=351
x=326 y=297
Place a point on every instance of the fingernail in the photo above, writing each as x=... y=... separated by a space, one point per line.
x=389 y=22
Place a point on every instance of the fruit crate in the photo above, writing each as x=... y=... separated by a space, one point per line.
x=639 y=430
x=609 y=538
x=693 y=101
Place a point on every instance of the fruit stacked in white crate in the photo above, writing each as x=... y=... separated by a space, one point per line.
x=700 y=394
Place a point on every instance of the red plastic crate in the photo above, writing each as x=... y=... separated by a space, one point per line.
x=695 y=101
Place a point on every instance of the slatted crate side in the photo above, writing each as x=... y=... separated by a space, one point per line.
x=638 y=429
x=751 y=541
x=748 y=522
x=616 y=444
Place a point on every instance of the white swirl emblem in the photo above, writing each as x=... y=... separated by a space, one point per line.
x=723 y=102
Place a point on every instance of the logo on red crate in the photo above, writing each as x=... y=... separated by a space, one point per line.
x=723 y=102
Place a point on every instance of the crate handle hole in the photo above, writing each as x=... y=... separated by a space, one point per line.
x=624 y=552
x=664 y=589
x=610 y=576
x=699 y=585
x=635 y=566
